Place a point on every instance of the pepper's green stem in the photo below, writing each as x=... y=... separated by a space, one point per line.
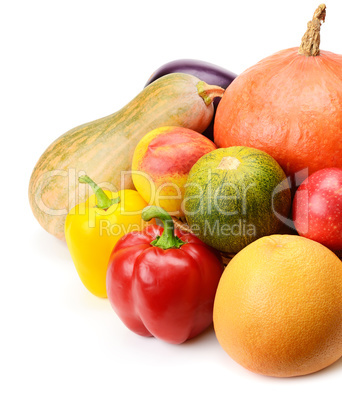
x=167 y=239
x=103 y=201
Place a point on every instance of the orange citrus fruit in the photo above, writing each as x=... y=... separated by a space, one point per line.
x=278 y=306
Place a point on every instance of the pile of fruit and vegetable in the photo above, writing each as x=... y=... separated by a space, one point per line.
x=212 y=198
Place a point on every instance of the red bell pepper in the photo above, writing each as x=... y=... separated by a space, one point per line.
x=162 y=282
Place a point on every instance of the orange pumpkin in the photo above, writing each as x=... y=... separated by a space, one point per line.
x=288 y=105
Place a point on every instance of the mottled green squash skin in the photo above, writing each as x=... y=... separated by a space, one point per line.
x=231 y=195
x=103 y=149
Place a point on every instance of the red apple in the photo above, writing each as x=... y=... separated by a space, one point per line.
x=317 y=208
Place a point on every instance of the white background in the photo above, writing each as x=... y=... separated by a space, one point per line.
x=68 y=62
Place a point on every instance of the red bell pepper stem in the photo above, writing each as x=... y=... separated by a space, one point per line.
x=168 y=239
x=103 y=201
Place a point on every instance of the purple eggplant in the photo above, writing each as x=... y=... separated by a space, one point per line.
x=210 y=73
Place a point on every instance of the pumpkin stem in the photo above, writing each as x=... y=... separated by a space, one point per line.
x=311 y=39
x=209 y=92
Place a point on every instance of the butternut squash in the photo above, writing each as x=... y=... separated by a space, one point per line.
x=103 y=149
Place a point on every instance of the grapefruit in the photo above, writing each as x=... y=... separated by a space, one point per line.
x=278 y=307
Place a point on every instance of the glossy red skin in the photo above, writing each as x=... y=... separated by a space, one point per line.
x=168 y=294
x=317 y=208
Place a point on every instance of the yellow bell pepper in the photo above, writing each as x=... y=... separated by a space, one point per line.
x=93 y=228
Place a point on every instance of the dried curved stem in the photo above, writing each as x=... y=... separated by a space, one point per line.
x=311 y=39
